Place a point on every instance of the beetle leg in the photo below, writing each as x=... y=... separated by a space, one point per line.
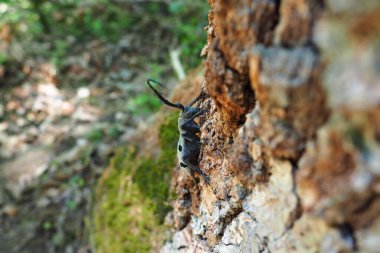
x=191 y=128
x=193 y=117
x=205 y=177
x=196 y=99
x=191 y=139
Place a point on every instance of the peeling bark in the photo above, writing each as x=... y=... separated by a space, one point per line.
x=291 y=134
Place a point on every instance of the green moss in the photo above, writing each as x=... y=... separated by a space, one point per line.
x=169 y=134
x=132 y=196
x=357 y=138
x=152 y=176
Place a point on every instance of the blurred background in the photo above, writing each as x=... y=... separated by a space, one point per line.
x=72 y=89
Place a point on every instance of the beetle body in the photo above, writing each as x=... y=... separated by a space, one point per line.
x=189 y=145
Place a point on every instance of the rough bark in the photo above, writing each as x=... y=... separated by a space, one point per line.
x=291 y=134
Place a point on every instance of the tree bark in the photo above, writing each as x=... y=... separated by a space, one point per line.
x=291 y=137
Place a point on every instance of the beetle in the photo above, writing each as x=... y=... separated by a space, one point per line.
x=189 y=144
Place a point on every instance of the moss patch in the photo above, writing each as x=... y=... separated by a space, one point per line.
x=132 y=196
x=153 y=176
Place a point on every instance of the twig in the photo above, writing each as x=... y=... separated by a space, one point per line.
x=176 y=62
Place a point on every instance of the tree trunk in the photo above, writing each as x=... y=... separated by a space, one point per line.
x=291 y=137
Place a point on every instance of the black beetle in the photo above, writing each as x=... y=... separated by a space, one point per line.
x=189 y=144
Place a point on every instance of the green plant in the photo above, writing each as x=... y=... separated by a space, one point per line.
x=143 y=104
x=113 y=131
x=76 y=181
x=47 y=225
x=71 y=204
x=181 y=24
x=3 y=58
x=156 y=71
x=190 y=18
x=95 y=135
x=60 y=50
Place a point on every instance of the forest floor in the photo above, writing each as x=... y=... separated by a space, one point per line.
x=59 y=125
x=56 y=140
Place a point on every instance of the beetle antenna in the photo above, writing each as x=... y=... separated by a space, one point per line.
x=159 y=95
